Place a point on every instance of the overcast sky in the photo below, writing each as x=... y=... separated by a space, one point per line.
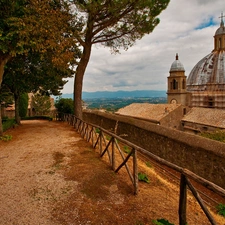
x=186 y=27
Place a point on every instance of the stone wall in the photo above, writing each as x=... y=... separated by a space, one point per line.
x=202 y=156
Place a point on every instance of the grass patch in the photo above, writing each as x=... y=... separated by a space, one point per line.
x=162 y=222
x=143 y=177
x=148 y=164
x=6 y=138
x=218 y=135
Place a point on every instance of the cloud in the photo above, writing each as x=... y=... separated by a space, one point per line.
x=186 y=28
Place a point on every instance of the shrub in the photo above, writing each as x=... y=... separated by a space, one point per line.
x=23 y=104
x=41 y=104
x=8 y=124
x=65 y=105
x=221 y=209
x=37 y=118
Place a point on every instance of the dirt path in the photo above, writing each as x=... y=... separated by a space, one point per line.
x=49 y=175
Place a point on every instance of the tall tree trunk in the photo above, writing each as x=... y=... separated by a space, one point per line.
x=78 y=81
x=17 y=116
x=3 y=60
x=1 y=128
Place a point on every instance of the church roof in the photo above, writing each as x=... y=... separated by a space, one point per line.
x=206 y=116
x=147 y=111
x=177 y=65
x=209 y=70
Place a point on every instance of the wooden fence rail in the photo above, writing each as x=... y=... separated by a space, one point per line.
x=108 y=143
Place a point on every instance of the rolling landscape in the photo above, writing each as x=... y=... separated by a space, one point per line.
x=112 y=101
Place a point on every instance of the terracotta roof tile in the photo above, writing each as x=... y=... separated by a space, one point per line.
x=207 y=116
x=147 y=111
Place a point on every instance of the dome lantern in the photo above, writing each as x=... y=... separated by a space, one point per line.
x=219 y=38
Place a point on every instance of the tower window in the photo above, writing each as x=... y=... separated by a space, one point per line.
x=174 y=84
x=183 y=84
x=219 y=42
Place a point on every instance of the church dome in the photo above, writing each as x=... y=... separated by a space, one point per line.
x=207 y=72
x=176 y=65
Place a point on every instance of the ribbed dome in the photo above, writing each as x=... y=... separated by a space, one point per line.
x=176 y=65
x=207 y=72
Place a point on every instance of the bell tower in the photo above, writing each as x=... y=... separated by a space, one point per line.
x=176 y=91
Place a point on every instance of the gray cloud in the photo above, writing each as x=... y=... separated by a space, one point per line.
x=146 y=65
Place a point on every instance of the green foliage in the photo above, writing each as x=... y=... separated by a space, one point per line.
x=6 y=138
x=218 y=135
x=65 y=105
x=41 y=104
x=97 y=130
x=23 y=104
x=35 y=26
x=221 y=209
x=126 y=149
x=6 y=96
x=114 y=24
x=143 y=177
x=162 y=222
x=8 y=124
x=148 y=164
x=37 y=118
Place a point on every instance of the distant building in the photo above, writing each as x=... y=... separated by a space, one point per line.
x=10 y=110
x=176 y=92
x=200 y=119
x=168 y=115
x=195 y=104
x=205 y=85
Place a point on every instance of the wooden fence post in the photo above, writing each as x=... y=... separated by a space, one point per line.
x=183 y=200
x=100 y=143
x=135 y=171
x=113 y=154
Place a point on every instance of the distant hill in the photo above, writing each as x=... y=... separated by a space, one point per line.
x=119 y=94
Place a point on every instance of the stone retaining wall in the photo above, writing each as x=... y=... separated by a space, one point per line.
x=202 y=156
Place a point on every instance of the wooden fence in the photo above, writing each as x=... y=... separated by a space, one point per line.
x=108 y=143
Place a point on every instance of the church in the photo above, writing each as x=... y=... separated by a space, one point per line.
x=205 y=85
x=195 y=103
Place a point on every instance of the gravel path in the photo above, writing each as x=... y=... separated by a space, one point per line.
x=50 y=176
x=27 y=185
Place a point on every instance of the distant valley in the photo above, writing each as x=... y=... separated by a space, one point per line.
x=119 y=94
x=113 y=104
x=112 y=101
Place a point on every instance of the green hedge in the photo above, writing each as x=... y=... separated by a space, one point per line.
x=6 y=124
x=37 y=118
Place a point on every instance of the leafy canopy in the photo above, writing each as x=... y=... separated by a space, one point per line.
x=116 y=23
x=113 y=23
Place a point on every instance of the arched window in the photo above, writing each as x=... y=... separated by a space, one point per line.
x=174 y=84
x=183 y=84
x=219 y=43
